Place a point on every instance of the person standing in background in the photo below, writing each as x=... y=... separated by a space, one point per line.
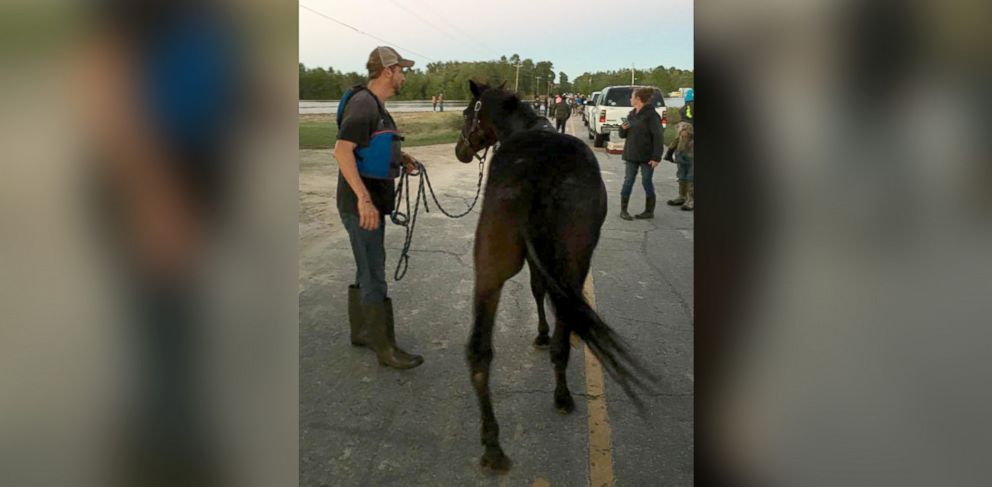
x=689 y=107
x=562 y=112
x=681 y=152
x=645 y=144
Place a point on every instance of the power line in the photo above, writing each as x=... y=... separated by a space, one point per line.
x=455 y=27
x=415 y=14
x=392 y=44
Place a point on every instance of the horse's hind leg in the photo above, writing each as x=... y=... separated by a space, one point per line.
x=480 y=356
x=537 y=286
x=574 y=274
x=495 y=262
x=560 y=349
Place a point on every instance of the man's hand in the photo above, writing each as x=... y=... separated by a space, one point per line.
x=409 y=163
x=368 y=215
x=653 y=164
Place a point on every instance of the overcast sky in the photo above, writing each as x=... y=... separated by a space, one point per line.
x=575 y=36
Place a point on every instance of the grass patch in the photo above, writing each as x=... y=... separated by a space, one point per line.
x=420 y=128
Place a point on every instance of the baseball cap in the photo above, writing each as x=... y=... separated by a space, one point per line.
x=387 y=56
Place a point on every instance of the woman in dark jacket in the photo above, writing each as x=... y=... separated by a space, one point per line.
x=645 y=143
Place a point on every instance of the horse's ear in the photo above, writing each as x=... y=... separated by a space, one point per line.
x=474 y=88
x=502 y=85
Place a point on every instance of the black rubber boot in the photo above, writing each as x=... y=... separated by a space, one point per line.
x=381 y=338
x=649 y=203
x=359 y=336
x=624 y=201
x=681 y=199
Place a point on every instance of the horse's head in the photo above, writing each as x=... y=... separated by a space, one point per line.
x=478 y=130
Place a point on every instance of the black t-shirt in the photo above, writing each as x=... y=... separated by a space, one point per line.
x=362 y=117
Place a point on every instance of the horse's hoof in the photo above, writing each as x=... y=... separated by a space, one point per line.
x=495 y=462
x=564 y=404
x=542 y=342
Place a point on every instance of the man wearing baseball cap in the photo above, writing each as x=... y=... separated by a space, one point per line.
x=364 y=201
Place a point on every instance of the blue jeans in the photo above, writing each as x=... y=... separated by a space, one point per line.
x=647 y=172
x=684 y=162
x=370 y=257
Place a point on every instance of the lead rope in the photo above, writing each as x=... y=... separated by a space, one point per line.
x=408 y=220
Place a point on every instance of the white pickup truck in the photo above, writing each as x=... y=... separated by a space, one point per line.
x=587 y=109
x=614 y=105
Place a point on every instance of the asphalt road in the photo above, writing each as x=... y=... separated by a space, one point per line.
x=362 y=424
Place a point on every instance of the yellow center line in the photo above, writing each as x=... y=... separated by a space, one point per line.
x=600 y=452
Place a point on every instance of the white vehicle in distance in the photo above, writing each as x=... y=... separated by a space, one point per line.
x=587 y=110
x=613 y=105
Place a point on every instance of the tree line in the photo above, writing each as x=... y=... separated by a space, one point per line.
x=451 y=78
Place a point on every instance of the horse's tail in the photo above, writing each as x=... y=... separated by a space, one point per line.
x=575 y=313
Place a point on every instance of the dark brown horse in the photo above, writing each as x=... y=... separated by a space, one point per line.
x=545 y=203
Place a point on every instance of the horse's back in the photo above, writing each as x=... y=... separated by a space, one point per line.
x=547 y=157
x=551 y=178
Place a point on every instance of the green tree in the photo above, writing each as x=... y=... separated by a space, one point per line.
x=527 y=79
x=563 y=84
x=451 y=78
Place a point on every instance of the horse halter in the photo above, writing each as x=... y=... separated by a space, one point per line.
x=475 y=126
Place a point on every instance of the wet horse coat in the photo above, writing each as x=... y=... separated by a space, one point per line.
x=545 y=203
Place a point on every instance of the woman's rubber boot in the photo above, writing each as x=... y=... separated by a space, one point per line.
x=681 y=199
x=381 y=338
x=359 y=336
x=690 y=202
x=624 y=201
x=649 y=203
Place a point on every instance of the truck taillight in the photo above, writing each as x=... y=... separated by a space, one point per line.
x=664 y=121
x=602 y=116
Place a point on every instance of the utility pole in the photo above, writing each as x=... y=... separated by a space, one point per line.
x=631 y=74
x=516 y=82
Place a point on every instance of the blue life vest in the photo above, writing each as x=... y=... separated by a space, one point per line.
x=376 y=159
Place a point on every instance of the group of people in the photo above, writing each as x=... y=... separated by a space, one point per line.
x=645 y=147
x=563 y=108
x=578 y=101
x=363 y=200
x=546 y=105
